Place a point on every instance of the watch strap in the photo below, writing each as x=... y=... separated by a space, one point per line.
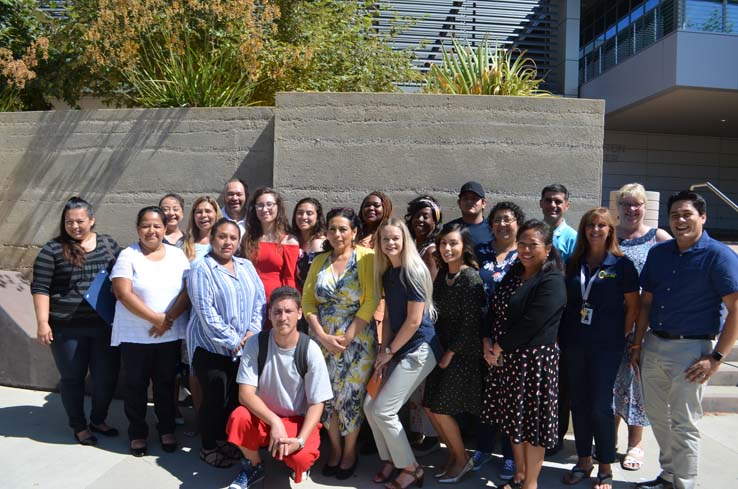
x=717 y=356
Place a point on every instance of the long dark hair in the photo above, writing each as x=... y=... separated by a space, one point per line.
x=71 y=248
x=254 y=231
x=468 y=255
x=418 y=204
x=553 y=261
x=345 y=212
x=582 y=245
x=319 y=229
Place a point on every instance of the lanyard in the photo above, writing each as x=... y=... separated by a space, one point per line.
x=586 y=290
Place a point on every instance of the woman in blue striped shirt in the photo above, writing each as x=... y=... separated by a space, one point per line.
x=227 y=308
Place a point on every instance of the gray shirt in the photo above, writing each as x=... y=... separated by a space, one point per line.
x=281 y=388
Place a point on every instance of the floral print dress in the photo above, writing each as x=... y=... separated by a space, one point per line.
x=338 y=301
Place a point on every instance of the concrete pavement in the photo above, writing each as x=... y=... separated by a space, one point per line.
x=38 y=450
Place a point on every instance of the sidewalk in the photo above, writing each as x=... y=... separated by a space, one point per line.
x=38 y=450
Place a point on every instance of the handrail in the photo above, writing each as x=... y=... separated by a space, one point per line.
x=717 y=192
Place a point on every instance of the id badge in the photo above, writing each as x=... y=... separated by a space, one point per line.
x=586 y=314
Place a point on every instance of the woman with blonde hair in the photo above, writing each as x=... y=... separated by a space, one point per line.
x=635 y=239
x=205 y=212
x=411 y=349
x=602 y=306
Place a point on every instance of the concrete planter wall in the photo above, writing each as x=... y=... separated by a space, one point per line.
x=336 y=147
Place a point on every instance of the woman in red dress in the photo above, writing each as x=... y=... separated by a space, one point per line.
x=268 y=242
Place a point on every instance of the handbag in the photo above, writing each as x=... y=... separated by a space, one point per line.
x=374 y=384
x=100 y=293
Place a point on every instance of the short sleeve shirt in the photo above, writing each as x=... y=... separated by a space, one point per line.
x=281 y=388
x=564 y=239
x=157 y=284
x=688 y=286
x=396 y=296
x=481 y=235
x=616 y=277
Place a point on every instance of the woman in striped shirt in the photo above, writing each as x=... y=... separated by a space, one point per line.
x=227 y=308
x=79 y=338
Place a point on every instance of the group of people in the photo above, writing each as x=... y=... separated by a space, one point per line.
x=360 y=316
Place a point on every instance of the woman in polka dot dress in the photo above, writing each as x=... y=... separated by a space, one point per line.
x=522 y=393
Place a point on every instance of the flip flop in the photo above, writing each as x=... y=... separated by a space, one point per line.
x=633 y=459
x=576 y=475
x=603 y=479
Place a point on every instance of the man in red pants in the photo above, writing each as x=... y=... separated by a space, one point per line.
x=281 y=408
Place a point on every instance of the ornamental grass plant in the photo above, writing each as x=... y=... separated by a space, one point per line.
x=484 y=70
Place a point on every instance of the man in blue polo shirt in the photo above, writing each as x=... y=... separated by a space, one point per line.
x=685 y=280
x=554 y=204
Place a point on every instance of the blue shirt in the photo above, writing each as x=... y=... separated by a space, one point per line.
x=615 y=277
x=225 y=305
x=396 y=296
x=481 y=235
x=688 y=287
x=564 y=239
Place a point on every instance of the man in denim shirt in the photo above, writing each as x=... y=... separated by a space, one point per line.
x=685 y=280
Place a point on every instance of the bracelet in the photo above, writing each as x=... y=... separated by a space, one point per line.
x=635 y=347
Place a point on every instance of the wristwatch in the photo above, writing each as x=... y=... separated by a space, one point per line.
x=717 y=356
x=301 y=442
x=388 y=350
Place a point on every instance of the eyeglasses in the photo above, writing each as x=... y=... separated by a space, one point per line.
x=504 y=220
x=265 y=205
x=631 y=205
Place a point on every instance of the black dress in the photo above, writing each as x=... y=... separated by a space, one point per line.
x=457 y=388
x=521 y=397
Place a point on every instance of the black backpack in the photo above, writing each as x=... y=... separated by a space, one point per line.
x=301 y=353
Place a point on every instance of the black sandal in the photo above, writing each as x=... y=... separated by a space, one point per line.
x=169 y=447
x=109 y=432
x=138 y=451
x=604 y=479
x=88 y=441
x=215 y=458
x=513 y=485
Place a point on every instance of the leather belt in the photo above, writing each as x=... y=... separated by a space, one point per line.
x=670 y=336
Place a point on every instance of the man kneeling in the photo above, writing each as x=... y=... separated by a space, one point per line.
x=281 y=392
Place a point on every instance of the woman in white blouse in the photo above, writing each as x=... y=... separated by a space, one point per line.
x=149 y=282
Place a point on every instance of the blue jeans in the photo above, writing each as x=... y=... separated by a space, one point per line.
x=591 y=374
x=76 y=350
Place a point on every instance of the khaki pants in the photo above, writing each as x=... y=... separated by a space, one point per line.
x=381 y=413
x=674 y=405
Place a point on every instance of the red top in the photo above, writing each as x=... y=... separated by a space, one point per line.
x=276 y=265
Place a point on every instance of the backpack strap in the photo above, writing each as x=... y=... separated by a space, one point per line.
x=263 y=349
x=301 y=354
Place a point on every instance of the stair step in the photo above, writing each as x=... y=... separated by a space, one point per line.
x=720 y=399
x=726 y=375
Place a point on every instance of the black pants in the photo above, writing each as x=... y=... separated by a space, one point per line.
x=156 y=362
x=217 y=377
x=76 y=350
x=564 y=397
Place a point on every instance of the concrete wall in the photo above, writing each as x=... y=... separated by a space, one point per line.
x=336 y=147
x=120 y=160
x=667 y=163
x=340 y=147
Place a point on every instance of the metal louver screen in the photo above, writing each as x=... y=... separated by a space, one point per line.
x=524 y=24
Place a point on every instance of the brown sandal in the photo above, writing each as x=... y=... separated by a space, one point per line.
x=380 y=477
x=417 y=475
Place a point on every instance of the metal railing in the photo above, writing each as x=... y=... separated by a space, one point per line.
x=717 y=192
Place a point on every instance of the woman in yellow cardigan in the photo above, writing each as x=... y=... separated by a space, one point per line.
x=338 y=302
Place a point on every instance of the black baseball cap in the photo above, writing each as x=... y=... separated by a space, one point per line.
x=474 y=187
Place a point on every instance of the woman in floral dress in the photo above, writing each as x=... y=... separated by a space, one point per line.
x=339 y=302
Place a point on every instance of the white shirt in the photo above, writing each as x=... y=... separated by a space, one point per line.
x=157 y=284
x=240 y=222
